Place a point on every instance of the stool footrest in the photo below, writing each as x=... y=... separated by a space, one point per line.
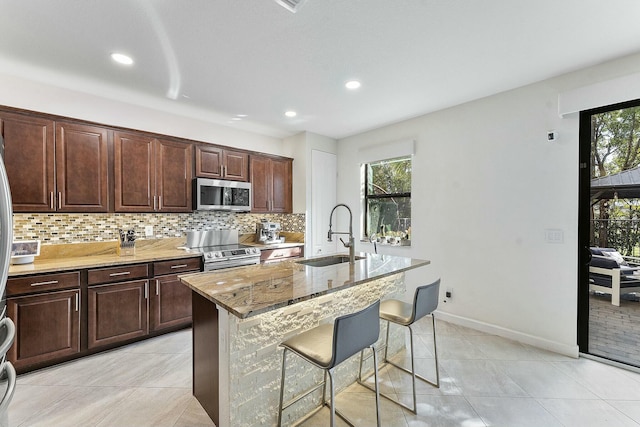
x=302 y=395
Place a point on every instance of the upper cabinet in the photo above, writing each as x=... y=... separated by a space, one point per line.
x=271 y=184
x=218 y=163
x=151 y=175
x=55 y=167
x=82 y=168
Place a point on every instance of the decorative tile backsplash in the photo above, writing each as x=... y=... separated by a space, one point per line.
x=73 y=228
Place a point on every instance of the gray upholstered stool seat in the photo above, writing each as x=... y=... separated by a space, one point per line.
x=326 y=346
x=425 y=302
x=314 y=345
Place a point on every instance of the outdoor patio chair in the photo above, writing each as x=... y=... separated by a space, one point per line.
x=609 y=273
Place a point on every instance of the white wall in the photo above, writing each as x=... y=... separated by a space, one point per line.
x=125 y=111
x=486 y=186
x=300 y=147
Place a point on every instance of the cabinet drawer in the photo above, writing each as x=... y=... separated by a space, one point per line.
x=44 y=283
x=115 y=274
x=176 y=266
x=271 y=255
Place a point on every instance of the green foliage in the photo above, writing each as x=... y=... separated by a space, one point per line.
x=389 y=213
x=615 y=140
x=615 y=147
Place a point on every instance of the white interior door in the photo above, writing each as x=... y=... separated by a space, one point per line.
x=324 y=171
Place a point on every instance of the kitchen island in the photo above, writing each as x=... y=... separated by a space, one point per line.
x=240 y=315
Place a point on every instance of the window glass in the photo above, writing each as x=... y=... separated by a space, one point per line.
x=388 y=200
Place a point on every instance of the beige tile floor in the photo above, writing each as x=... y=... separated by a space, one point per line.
x=486 y=381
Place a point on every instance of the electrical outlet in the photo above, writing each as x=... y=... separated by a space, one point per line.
x=448 y=293
x=148 y=230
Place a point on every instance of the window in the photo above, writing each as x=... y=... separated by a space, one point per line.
x=387 y=200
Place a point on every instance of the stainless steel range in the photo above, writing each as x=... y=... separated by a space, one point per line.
x=220 y=249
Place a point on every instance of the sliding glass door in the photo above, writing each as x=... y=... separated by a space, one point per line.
x=609 y=233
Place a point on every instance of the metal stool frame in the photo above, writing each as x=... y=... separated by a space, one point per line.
x=425 y=301
x=352 y=333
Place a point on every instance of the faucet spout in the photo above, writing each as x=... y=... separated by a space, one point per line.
x=351 y=243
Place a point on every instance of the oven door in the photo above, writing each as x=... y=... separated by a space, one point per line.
x=230 y=263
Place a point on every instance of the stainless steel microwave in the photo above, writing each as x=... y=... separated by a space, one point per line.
x=220 y=195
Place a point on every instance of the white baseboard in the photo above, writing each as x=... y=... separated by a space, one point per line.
x=556 y=347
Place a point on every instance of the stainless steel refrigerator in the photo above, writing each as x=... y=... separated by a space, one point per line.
x=7 y=328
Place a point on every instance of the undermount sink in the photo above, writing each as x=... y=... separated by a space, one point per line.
x=326 y=261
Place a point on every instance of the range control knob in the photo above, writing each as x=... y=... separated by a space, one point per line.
x=208 y=255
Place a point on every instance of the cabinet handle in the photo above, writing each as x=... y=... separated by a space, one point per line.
x=50 y=282
x=221 y=170
x=77 y=301
x=225 y=170
x=59 y=200
x=154 y=202
x=157 y=287
x=51 y=202
x=124 y=273
x=159 y=203
x=146 y=290
x=179 y=266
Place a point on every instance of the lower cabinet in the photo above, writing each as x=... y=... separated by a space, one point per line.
x=117 y=312
x=47 y=327
x=170 y=304
x=170 y=300
x=61 y=316
x=46 y=311
x=268 y=256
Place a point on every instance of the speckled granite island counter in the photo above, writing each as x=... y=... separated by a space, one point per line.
x=240 y=315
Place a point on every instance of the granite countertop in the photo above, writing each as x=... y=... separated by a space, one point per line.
x=57 y=258
x=251 y=290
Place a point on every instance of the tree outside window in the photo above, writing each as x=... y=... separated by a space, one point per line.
x=387 y=200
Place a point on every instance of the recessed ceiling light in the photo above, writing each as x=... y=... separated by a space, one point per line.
x=241 y=115
x=122 y=58
x=290 y=114
x=352 y=84
x=236 y=118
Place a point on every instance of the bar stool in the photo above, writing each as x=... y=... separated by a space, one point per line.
x=326 y=346
x=425 y=302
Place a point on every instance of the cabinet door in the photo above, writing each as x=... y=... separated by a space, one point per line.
x=117 y=312
x=29 y=159
x=236 y=165
x=134 y=173
x=271 y=184
x=81 y=168
x=281 y=201
x=174 y=171
x=209 y=161
x=170 y=303
x=47 y=327
x=260 y=184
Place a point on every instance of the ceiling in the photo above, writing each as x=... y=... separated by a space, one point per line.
x=221 y=58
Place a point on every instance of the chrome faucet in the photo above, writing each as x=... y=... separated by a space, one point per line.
x=351 y=243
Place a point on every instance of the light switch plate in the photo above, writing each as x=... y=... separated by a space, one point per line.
x=148 y=230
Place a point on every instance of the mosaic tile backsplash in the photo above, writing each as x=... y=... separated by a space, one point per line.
x=75 y=228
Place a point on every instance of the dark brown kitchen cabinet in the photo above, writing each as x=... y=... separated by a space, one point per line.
x=271 y=184
x=47 y=327
x=151 y=175
x=117 y=312
x=170 y=300
x=82 y=168
x=46 y=311
x=268 y=256
x=218 y=163
x=30 y=162
x=55 y=167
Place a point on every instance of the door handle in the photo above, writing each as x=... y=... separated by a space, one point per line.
x=10 y=335
x=11 y=387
